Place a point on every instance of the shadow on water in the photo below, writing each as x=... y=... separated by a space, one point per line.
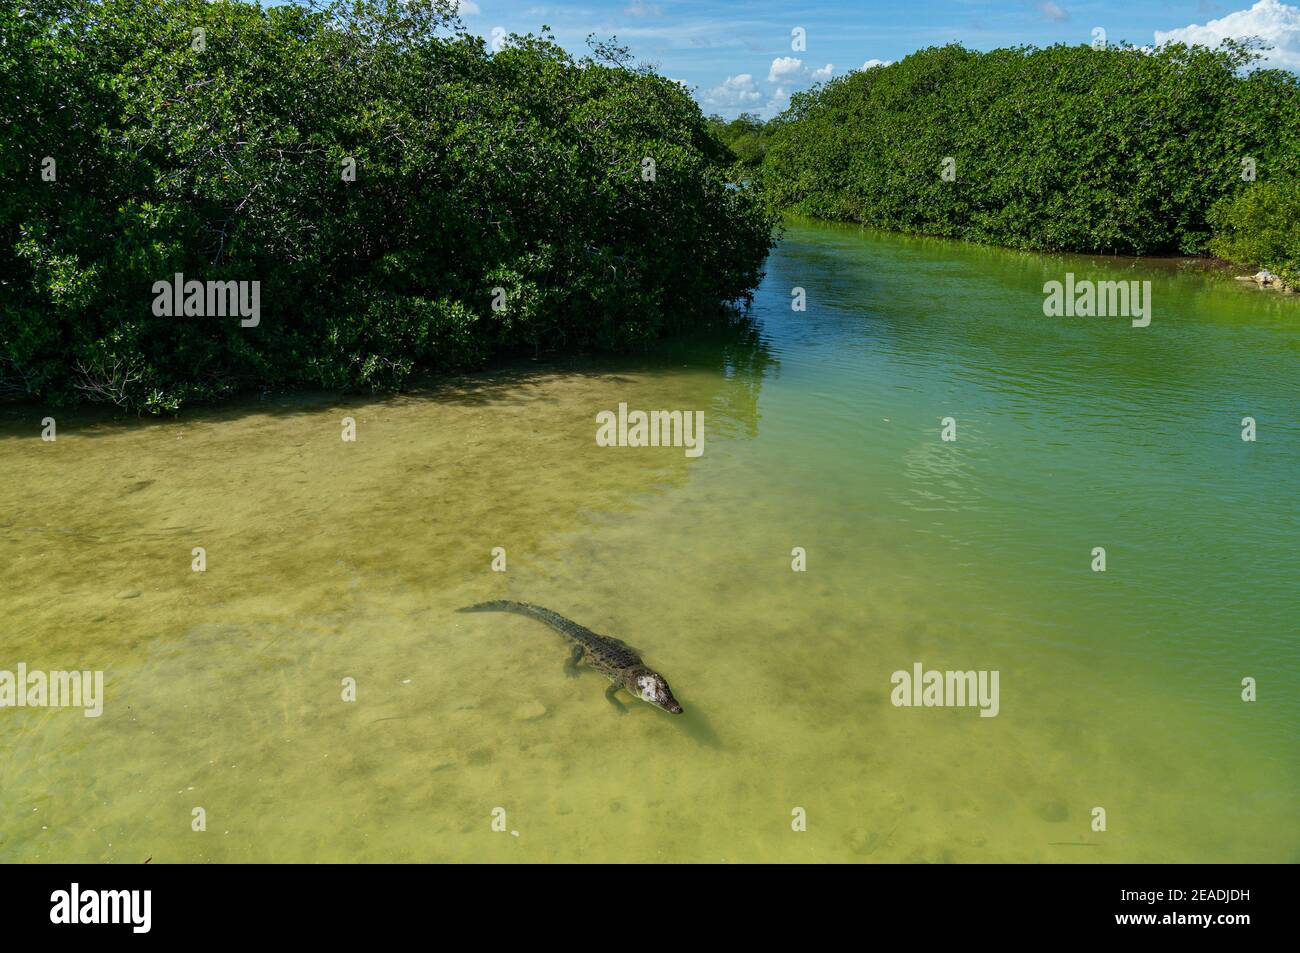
x=260 y=477
x=735 y=350
x=698 y=726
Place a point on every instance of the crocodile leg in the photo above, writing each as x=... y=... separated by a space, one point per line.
x=571 y=664
x=610 y=692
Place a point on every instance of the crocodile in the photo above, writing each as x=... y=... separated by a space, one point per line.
x=616 y=660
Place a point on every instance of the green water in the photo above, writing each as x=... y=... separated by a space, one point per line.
x=329 y=560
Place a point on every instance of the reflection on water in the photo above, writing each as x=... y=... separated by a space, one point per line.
x=329 y=560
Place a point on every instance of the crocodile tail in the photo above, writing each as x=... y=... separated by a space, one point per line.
x=546 y=616
x=499 y=605
x=519 y=608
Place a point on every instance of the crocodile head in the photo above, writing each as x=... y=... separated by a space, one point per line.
x=650 y=686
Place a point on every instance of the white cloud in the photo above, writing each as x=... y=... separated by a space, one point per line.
x=872 y=64
x=1052 y=11
x=736 y=91
x=784 y=66
x=786 y=74
x=466 y=8
x=1274 y=22
x=790 y=69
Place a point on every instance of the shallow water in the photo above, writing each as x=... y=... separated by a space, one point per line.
x=329 y=560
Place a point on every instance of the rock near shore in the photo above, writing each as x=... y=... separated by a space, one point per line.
x=1266 y=279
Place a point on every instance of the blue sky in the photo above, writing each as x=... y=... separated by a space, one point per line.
x=736 y=55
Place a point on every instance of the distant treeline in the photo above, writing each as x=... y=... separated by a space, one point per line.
x=746 y=137
x=403 y=198
x=1114 y=150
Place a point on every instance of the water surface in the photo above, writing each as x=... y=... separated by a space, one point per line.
x=329 y=560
